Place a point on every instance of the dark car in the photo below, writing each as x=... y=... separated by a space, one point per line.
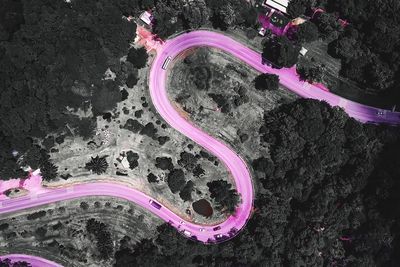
x=217 y=228
x=220 y=237
x=232 y=232
x=155 y=204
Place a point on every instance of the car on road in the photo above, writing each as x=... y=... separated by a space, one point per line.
x=217 y=228
x=220 y=237
x=166 y=62
x=202 y=229
x=232 y=232
x=181 y=222
x=155 y=204
x=187 y=233
x=380 y=112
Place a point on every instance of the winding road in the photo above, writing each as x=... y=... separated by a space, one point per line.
x=33 y=260
x=236 y=166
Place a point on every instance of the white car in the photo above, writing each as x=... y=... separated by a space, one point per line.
x=262 y=31
x=218 y=236
x=380 y=112
x=181 y=222
x=202 y=229
x=187 y=233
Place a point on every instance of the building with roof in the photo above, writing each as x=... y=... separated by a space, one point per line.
x=280 y=5
x=146 y=17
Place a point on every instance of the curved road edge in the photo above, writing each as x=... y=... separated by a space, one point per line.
x=233 y=162
x=288 y=76
x=33 y=260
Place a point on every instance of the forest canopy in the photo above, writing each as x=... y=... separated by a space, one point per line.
x=327 y=198
x=53 y=56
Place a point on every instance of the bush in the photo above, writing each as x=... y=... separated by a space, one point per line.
x=267 y=81
x=307 y=32
x=281 y=52
x=227 y=199
x=176 y=180
x=138 y=57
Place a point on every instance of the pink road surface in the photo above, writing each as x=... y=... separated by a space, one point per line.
x=236 y=166
x=34 y=261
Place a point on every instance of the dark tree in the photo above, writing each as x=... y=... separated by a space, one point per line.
x=133 y=126
x=296 y=8
x=369 y=45
x=311 y=71
x=146 y=4
x=132 y=158
x=149 y=130
x=48 y=170
x=86 y=127
x=229 y=13
x=186 y=192
x=97 y=165
x=164 y=163
x=379 y=74
x=103 y=237
x=266 y=81
x=227 y=199
x=132 y=79
x=195 y=14
x=138 y=57
x=221 y=101
x=176 y=180
x=11 y=18
x=167 y=18
x=328 y=25
x=281 y=51
x=307 y=32
x=187 y=161
x=198 y=171
x=344 y=48
x=151 y=178
x=46 y=66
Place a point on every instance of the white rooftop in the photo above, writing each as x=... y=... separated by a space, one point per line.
x=280 y=5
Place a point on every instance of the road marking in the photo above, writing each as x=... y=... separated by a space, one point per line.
x=306 y=85
x=343 y=102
